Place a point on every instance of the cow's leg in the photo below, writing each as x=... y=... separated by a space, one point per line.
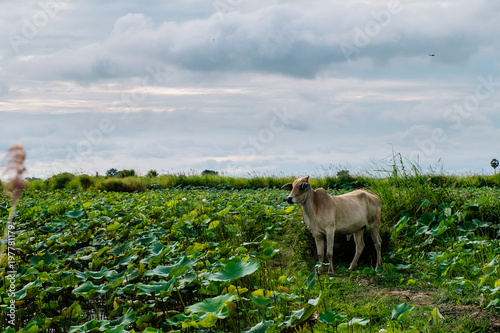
x=360 y=245
x=377 y=241
x=320 y=247
x=330 y=239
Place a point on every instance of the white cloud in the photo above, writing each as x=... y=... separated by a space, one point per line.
x=298 y=40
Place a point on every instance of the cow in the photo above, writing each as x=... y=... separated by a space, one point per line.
x=329 y=215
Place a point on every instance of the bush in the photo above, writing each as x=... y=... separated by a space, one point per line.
x=484 y=182
x=73 y=184
x=59 y=181
x=122 y=185
x=82 y=182
x=85 y=181
x=343 y=181
x=36 y=185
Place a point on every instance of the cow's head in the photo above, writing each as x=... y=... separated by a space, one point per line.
x=300 y=190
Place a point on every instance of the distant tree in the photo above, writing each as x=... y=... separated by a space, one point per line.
x=343 y=175
x=152 y=174
x=209 y=172
x=494 y=164
x=112 y=172
x=126 y=173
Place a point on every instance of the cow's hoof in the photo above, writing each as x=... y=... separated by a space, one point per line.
x=330 y=274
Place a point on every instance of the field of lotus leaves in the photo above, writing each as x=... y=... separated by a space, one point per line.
x=200 y=259
x=167 y=260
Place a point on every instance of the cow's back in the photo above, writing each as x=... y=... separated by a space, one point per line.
x=360 y=207
x=373 y=206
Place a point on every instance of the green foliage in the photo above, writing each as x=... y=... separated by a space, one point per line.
x=209 y=172
x=36 y=185
x=86 y=182
x=128 y=256
x=59 y=181
x=112 y=172
x=130 y=184
x=126 y=173
x=210 y=252
x=494 y=164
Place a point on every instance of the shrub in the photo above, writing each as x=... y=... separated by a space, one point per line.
x=496 y=179
x=82 y=182
x=343 y=175
x=86 y=181
x=122 y=185
x=59 y=181
x=343 y=181
x=484 y=182
x=36 y=185
x=73 y=184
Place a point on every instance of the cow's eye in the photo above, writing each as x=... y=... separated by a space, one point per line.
x=304 y=186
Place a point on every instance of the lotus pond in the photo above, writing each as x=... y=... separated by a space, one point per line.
x=211 y=260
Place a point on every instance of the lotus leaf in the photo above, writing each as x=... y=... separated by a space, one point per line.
x=148 y=289
x=88 y=289
x=165 y=271
x=354 y=322
x=29 y=290
x=330 y=317
x=215 y=306
x=399 y=310
x=260 y=300
x=75 y=214
x=235 y=269
x=260 y=327
x=310 y=282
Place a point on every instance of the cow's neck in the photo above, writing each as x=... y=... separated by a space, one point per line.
x=308 y=206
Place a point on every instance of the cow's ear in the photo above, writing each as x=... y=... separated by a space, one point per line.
x=307 y=178
x=287 y=187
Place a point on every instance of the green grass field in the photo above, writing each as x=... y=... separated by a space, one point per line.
x=181 y=253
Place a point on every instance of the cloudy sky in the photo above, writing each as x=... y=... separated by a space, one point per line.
x=243 y=86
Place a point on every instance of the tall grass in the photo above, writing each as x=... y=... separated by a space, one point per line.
x=392 y=181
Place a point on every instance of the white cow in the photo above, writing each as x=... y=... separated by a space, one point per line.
x=329 y=215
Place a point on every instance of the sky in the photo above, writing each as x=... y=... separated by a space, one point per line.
x=244 y=87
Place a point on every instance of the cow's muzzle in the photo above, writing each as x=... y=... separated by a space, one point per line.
x=289 y=200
